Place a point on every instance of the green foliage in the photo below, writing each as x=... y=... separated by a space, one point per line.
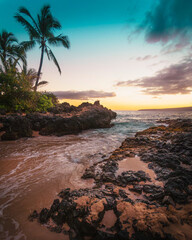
x=53 y=98
x=16 y=81
x=13 y=81
x=16 y=95
x=44 y=102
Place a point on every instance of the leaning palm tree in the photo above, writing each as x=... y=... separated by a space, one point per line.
x=41 y=31
x=10 y=50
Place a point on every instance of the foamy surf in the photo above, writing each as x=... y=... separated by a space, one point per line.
x=33 y=171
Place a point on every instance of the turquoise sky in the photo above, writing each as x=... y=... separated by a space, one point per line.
x=77 y=14
x=101 y=53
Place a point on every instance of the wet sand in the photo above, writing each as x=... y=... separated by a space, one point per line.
x=135 y=164
x=32 y=173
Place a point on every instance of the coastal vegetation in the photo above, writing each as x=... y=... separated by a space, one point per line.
x=18 y=83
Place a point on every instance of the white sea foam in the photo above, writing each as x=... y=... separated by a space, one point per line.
x=41 y=159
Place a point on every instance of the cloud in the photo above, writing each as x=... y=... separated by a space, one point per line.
x=157 y=63
x=169 y=20
x=147 y=57
x=175 y=79
x=171 y=48
x=83 y=95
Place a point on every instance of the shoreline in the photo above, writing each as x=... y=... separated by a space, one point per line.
x=147 y=202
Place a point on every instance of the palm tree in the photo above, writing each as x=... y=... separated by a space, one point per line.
x=10 y=51
x=41 y=31
x=31 y=75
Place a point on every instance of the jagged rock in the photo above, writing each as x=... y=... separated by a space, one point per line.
x=55 y=206
x=168 y=200
x=108 y=177
x=152 y=189
x=57 y=229
x=64 y=193
x=136 y=188
x=44 y=215
x=177 y=189
x=61 y=126
x=151 y=213
x=33 y=215
x=16 y=127
x=89 y=173
x=63 y=119
x=130 y=177
x=62 y=108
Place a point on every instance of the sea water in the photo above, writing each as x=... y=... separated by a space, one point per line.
x=34 y=170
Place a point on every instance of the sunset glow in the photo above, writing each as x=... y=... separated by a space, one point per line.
x=106 y=51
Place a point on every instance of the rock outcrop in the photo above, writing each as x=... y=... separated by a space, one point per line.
x=15 y=127
x=61 y=120
x=142 y=191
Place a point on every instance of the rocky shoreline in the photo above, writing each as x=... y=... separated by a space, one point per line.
x=143 y=191
x=60 y=120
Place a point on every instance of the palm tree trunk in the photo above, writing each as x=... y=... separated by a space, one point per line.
x=40 y=66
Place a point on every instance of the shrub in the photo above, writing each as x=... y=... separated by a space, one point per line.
x=16 y=95
x=44 y=102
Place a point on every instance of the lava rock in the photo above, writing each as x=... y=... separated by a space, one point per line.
x=16 y=127
x=44 y=215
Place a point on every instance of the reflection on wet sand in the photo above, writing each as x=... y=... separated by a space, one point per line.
x=135 y=164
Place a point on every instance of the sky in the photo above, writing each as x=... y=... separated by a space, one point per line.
x=129 y=55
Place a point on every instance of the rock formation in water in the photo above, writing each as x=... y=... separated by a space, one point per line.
x=143 y=191
x=61 y=120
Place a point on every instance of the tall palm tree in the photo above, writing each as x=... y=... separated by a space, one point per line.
x=10 y=50
x=41 y=31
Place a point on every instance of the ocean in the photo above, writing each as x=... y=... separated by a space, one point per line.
x=33 y=171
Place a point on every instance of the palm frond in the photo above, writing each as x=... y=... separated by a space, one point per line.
x=15 y=62
x=19 y=52
x=44 y=19
x=47 y=23
x=32 y=72
x=8 y=37
x=11 y=63
x=45 y=11
x=10 y=52
x=42 y=83
x=28 y=45
x=59 y=40
x=47 y=52
x=28 y=27
x=54 y=60
x=26 y=12
x=56 y=24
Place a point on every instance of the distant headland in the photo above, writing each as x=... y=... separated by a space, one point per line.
x=169 y=109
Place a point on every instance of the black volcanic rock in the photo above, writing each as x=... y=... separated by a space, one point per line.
x=62 y=108
x=142 y=204
x=63 y=119
x=61 y=126
x=16 y=127
x=91 y=116
x=44 y=215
